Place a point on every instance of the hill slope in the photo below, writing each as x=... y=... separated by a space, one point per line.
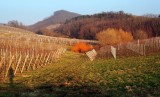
x=13 y=30
x=88 y=26
x=57 y=18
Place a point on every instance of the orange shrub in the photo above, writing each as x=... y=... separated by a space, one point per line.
x=113 y=36
x=81 y=47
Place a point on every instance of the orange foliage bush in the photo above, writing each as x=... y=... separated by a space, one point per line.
x=81 y=47
x=114 y=36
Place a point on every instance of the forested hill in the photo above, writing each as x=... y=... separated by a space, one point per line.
x=88 y=26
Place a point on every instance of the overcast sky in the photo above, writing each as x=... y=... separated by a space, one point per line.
x=32 y=11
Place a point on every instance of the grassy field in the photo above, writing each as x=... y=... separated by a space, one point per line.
x=75 y=76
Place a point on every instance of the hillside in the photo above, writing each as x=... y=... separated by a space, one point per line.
x=87 y=26
x=57 y=18
x=8 y=30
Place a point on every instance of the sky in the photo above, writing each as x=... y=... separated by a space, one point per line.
x=31 y=11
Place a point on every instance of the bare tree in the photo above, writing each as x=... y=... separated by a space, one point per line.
x=15 y=23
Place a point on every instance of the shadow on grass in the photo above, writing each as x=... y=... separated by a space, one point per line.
x=64 y=90
x=14 y=90
x=48 y=90
x=67 y=90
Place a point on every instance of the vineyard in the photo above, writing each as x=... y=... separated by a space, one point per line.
x=75 y=76
x=134 y=48
x=25 y=51
x=23 y=55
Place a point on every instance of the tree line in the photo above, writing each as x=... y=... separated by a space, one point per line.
x=15 y=23
x=87 y=26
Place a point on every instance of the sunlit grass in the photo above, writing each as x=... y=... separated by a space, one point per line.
x=74 y=74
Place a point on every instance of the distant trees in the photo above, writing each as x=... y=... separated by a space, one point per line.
x=113 y=36
x=86 y=27
x=49 y=32
x=15 y=23
x=45 y=32
x=140 y=34
x=151 y=15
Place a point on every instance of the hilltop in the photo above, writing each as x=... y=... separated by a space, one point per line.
x=59 y=17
